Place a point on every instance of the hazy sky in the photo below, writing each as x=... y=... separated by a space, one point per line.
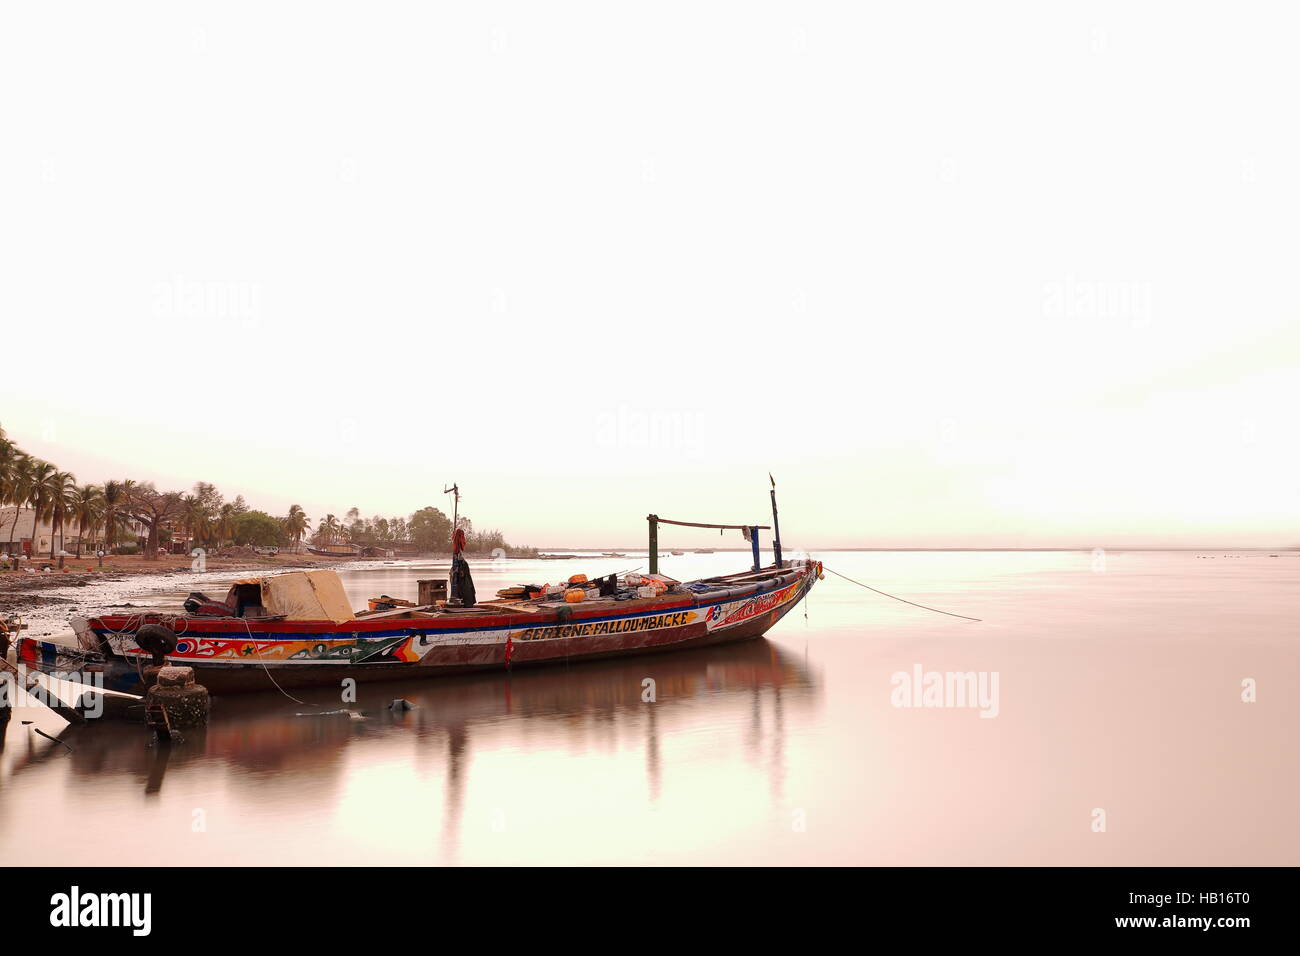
x=957 y=276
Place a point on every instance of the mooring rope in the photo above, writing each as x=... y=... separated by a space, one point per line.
x=258 y=652
x=897 y=598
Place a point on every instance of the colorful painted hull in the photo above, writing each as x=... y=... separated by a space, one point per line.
x=235 y=654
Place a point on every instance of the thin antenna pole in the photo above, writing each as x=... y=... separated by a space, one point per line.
x=454 y=598
x=455 y=507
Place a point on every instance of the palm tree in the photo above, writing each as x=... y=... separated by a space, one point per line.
x=87 y=505
x=114 y=499
x=296 y=524
x=10 y=458
x=226 y=523
x=193 y=517
x=40 y=490
x=61 y=485
x=22 y=479
x=327 y=529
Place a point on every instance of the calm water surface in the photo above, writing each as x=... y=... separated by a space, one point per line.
x=1119 y=689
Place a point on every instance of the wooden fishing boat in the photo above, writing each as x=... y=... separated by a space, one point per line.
x=296 y=629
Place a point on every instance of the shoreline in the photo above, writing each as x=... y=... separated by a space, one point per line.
x=45 y=600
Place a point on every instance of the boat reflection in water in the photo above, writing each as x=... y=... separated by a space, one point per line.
x=550 y=730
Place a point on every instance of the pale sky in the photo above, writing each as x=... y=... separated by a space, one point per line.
x=997 y=276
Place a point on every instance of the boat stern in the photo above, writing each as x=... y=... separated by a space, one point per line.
x=86 y=638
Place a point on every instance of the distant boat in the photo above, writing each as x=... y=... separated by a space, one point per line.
x=703 y=550
x=678 y=553
x=613 y=554
x=336 y=551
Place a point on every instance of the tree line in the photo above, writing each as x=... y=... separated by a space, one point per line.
x=428 y=529
x=106 y=513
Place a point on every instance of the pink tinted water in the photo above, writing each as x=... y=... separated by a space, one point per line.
x=1120 y=703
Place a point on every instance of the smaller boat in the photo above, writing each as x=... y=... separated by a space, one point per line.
x=703 y=550
x=678 y=554
x=337 y=551
x=613 y=554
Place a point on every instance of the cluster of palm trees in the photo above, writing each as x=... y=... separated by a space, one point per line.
x=104 y=513
x=208 y=520
x=27 y=482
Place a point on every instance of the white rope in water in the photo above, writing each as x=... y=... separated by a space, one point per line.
x=258 y=652
x=897 y=598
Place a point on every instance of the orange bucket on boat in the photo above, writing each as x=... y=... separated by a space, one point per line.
x=575 y=595
x=578 y=579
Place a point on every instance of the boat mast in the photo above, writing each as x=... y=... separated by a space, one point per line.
x=776 y=525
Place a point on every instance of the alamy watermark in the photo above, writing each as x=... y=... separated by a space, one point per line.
x=1090 y=299
x=627 y=427
x=76 y=908
x=208 y=300
x=977 y=690
x=91 y=692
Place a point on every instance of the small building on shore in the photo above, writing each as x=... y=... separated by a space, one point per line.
x=21 y=533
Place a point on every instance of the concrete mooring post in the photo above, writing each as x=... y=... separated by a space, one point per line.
x=176 y=702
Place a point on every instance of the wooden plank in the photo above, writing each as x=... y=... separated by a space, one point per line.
x=397 y=612
x=724 y=527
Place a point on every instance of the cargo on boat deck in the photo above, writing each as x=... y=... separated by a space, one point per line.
x=293 y=595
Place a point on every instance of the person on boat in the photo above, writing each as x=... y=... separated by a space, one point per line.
x=461 y=583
